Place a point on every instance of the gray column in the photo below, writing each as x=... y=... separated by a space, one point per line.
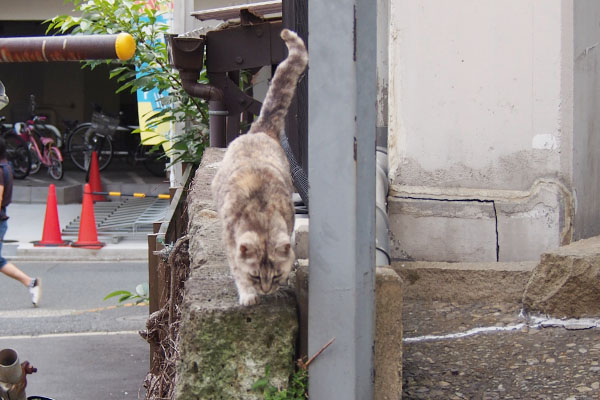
x=342 y=119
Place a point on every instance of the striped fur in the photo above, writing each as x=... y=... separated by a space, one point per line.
x=253 y=189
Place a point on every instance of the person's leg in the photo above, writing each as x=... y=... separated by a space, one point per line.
x=9 y=269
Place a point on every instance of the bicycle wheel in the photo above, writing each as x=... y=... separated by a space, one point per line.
x=18 y=156
x=36 y=163
x=55 y=169
x=155 y=162
x=83 y=141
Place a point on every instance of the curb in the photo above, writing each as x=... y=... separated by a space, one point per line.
x=137 y=251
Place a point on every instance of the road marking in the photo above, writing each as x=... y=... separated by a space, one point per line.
x=69 y=334
x=44 y=312
x=470 y=332
x=533 y=322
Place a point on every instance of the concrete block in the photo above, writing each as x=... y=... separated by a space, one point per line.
x=69 y=194
x=566 y=282
x=465 y=225
x=300 y=238
x=21 y=194
x=464 y=283
x=388 y=334
x=39 y=194
x=225 y=348
x=388 y=328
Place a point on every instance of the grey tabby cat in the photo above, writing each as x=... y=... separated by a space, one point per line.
x=253 y=189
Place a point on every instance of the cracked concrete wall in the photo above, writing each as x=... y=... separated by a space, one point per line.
x=491 y=98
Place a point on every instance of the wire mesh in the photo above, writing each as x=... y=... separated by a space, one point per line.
x=104 y=124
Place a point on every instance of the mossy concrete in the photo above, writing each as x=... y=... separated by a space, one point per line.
x=225 y=348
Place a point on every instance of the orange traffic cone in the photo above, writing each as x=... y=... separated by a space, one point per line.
x=51 y=235
x=88 y=236
x=94 y=181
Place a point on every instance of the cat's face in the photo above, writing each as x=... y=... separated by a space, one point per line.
x=265 y=262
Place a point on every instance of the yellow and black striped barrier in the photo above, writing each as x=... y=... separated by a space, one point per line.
x=138 y=195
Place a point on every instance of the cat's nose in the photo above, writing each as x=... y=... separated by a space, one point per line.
x=266 y=285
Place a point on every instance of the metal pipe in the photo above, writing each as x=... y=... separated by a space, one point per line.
x=217 y=122
x=216 y=106
x=382 y=236
x=66 y=48
x=10 y=374
x=189 y=80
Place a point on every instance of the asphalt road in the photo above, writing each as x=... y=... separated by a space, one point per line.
x=84 y=347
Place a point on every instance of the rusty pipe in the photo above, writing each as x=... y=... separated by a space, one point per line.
x=186 y=54
x=66 y=48
x=216 y=106
x=189 y=80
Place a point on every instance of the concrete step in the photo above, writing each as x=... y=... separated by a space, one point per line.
x=464 y=282
x=465 y=337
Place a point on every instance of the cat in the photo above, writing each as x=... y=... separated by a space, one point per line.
x=252 y=189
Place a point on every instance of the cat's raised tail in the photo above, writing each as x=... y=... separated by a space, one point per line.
x=283 y=85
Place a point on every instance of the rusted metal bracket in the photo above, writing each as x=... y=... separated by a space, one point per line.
x=244 y=47
x=236 y=101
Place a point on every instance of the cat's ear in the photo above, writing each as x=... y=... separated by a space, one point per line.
x=246 y=246
x=245 y=250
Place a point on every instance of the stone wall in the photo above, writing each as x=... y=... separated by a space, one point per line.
x=225 y=348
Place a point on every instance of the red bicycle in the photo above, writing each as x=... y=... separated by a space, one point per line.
x=43 y=149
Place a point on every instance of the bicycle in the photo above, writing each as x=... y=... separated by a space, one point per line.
x=17 y=151
x=42 y=149
x=97 y=136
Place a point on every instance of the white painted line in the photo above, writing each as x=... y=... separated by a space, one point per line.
x=534 y=322
x=470 y=332
x=69 y=334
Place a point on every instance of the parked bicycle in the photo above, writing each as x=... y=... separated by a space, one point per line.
x=17 y=151
x=43 y=149
x=98 y=136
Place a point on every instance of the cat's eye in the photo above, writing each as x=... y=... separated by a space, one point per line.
x=277 y=277
x=255 y=278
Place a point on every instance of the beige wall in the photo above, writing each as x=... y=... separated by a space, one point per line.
x=586 y=117
x=493 y=100
x=477 y=92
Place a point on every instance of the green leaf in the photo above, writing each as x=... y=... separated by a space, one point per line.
x=117 y=293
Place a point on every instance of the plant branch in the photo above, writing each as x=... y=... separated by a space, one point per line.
x=304 y=365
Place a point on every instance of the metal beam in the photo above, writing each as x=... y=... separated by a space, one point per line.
x=342 y=120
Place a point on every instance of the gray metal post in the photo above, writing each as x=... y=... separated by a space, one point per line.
x=342 y=119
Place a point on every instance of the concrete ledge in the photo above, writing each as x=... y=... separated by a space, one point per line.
x=464 y=283
x=225 y=348
x=74 y=193
x=39 y=194
x=133 y=251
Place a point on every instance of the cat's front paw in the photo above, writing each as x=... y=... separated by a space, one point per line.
x=249 y=299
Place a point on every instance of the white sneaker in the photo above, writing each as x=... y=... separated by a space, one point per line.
x=35 y=290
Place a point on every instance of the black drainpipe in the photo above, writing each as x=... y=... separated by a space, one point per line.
x=186 y=54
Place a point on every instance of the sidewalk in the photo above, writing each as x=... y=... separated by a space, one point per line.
x=27 y=213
